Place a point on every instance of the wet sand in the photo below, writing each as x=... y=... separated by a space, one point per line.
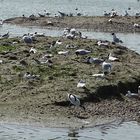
x=97 y=23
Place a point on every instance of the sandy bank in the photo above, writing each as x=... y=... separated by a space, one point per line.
x=98 y=23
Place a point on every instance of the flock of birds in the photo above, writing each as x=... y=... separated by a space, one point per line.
x=114 y=13
x=105 y=65
x=72 y=33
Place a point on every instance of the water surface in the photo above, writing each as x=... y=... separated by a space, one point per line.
x=131 y=40
x=127 y=130
x=13 y=8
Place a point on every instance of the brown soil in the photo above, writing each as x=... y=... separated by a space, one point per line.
x=45 y=100
x=98 y=23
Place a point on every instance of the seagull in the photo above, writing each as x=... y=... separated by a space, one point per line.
x=106 y=67
x=63 y=52
x=81 y=84
x=27 y=39
x=33 y=50
x=132 y=95
x=136 y=25
x=103 y=43
x=110 y=20
x=58 y=42
x=36 y=34
x=99 y=75
x=115 y=39
x=96 y=61
x=6 y=35
x=28 y=75
x=82 y=52
x=75 y=101
x=112 y=58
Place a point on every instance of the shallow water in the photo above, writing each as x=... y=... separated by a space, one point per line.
x=127 y=130
x=131 y=40
x=86 y=7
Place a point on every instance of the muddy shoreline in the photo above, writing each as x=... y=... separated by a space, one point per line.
x=97 y=23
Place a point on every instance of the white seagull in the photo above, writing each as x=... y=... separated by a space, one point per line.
x=75 y=101
x=133 y=95
x=81 y=84
x=112 y=58
x=99 y=75
x=33 y=50
x=63 y=52
x=102 y=43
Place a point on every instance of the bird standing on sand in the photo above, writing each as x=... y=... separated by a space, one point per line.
x=75 y=101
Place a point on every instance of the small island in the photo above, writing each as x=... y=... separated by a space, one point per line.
x=127 y=24
x=43 y=97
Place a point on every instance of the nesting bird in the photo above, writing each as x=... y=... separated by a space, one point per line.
x=30 y=76
x=33 y=50
x=63 y=52
x=27 y=39
x=133 y=95
x=95 y=61
x=112 y=58
x=103 y=43
x=99 y=75
x=74 y=100
x=82 y=52
x=81 y=84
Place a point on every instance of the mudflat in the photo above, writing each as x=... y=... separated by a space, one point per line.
x=97 y=23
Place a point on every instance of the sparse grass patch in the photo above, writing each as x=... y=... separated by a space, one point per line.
x=7 y=48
